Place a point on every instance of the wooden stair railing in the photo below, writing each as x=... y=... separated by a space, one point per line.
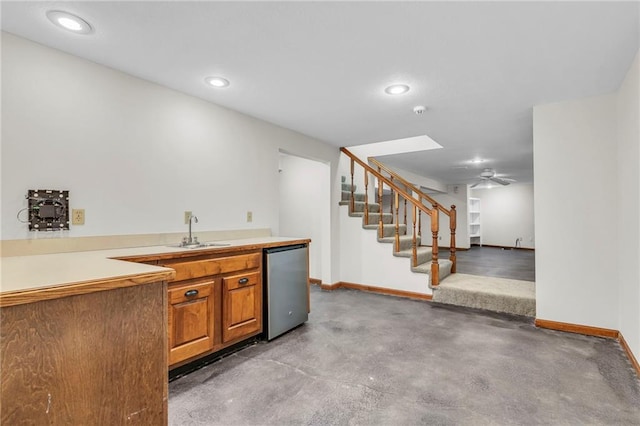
x=397 y=192
x=452 y=213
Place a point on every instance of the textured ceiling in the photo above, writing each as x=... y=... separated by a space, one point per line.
x=320 y=67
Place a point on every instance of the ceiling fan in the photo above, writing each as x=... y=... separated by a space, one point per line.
x=489 y=175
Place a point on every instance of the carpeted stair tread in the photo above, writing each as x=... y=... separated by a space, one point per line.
x=346 y=196
x=388 y=229
x=425 y=268
x=490 y=293
x=358 y=206
x=347 y=187
x=387 y=218
x=424 y=254
x=406 y=241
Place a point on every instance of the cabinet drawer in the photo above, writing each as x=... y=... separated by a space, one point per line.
x=221 y=265
x=188 y=293
x=241 y=280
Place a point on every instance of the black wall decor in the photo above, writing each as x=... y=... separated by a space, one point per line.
x=48 y=210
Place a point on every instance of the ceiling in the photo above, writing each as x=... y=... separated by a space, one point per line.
x=320 y=68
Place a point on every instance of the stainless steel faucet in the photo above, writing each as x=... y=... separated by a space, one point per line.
x=191 y=239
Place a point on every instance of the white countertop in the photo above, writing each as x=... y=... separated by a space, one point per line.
x=28 y=273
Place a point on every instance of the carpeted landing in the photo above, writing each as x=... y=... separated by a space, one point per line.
x=490 y=293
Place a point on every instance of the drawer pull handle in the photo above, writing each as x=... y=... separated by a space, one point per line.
x=190 y=293
x=243 y=280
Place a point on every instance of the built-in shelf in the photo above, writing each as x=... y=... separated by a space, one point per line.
x=475 y=230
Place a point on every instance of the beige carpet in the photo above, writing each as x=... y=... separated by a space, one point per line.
x=494 y=294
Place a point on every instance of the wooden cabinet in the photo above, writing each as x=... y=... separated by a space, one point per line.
x=87 y=359
x=241 y=305
x=201 y=267
x=191 y=318
x=214 y=301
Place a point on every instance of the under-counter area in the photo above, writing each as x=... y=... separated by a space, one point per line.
x=80 y=330
x=215 y=301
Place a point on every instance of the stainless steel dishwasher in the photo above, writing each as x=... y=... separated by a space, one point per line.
x=286 y=274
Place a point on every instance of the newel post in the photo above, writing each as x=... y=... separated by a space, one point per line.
x=452 y=227
x=435 y=267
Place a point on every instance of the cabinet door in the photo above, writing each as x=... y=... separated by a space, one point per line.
x=191 y=313
x=241 y=305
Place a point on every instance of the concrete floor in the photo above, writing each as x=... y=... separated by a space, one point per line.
x=369 y=359
x=495 y=262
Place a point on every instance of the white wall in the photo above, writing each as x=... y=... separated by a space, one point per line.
x=506 y=214
x=367 y=262
x=305 y=207
x=588 y=230
x=134 y=154
x=420 y=181
x=628 y=206
x=576 y=178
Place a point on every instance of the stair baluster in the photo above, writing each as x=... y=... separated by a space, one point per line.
x=380 y=222
x=397 y=240
x=352 y=200
x=435 y=267
x=414 y=258
x=420 y=218
x=366 y=197
x=452 y=245
x=391 y=201
x=405 y=211
x=409 y=195
x=422 y=195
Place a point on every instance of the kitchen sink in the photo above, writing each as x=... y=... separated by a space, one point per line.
x=199 y=245
x=216 y=244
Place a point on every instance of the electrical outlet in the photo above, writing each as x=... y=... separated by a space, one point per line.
x=187 y=216
x=77 y=216
x=249 y=216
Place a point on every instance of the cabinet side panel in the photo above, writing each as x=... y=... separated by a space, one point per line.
x=98 y=358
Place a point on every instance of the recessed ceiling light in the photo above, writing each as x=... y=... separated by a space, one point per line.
x=217 y=81
x=419 y=109
x=397 y=89
x=477 y=161
x=69 y=21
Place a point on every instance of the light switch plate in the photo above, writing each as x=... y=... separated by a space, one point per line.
x=249 y=216
x=187 y=216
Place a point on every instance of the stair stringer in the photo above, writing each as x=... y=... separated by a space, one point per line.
x=363 y=260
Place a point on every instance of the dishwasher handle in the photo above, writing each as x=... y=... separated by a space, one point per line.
x=284 y=248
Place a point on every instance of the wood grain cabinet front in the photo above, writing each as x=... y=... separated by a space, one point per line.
x=241 y=305
x=215 y=301
x=191 y=320
x=189 y=269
